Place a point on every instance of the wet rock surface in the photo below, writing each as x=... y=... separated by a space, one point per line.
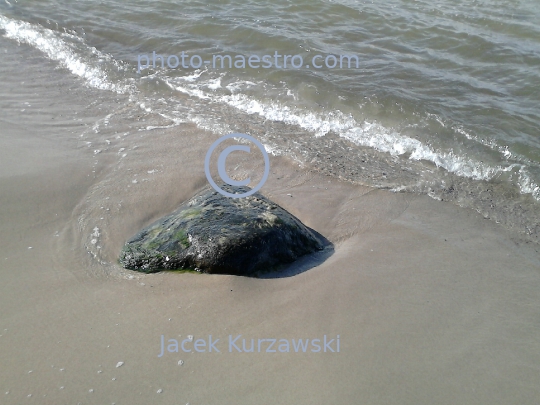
x=212 y=233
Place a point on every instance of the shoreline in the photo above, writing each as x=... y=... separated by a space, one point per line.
x=425 y=296
x=432 y=302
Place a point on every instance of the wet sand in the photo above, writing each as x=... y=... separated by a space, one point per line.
x=432 y=303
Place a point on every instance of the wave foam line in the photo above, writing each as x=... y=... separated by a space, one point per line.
x=55 y=48
x=367 y=134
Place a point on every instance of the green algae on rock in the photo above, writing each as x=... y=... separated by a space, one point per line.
x=212 y=233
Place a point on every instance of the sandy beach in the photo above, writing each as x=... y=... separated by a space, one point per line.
x=432 y=303
x=422 y=301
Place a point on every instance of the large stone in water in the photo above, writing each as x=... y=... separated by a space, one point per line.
x=212 y=233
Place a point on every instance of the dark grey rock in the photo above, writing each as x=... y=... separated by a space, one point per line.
x=212 y=233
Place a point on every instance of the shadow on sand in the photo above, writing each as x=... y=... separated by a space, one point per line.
x=302 y=264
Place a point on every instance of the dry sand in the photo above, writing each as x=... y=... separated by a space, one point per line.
x=433 y=304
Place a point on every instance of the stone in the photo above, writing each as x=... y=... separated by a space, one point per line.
x=211 y=233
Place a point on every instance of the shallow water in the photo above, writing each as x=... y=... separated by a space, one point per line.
x=444 y=100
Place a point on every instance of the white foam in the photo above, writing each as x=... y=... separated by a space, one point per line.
x=56 y=48
x=368 y=134
x=527 y=185
x=272 y=149
x=192 y=77
x=215 y=84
